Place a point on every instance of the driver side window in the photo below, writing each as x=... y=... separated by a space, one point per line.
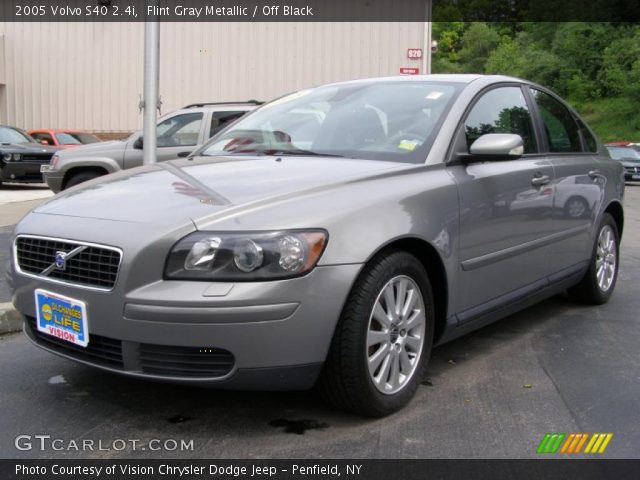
x=501 y=110
x=180 y=130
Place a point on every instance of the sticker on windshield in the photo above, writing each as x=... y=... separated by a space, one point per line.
x=434 y=95
x=408 y=145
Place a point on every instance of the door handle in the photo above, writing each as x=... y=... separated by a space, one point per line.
x=540 y=180
x=594 y=174
x=183 y=154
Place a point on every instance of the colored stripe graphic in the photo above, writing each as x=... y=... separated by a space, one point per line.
x=551 y=442
x=598 y=443
x=573 y=443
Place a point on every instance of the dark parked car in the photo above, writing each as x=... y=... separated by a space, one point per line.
x=629 y=156
x=334 y=250
x=21 y=156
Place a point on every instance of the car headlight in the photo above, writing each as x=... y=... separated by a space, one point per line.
x=245 y=256
x=7 y=157
x=54 y=162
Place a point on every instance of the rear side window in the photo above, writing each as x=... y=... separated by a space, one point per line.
x=559 y=125
x=501 y=110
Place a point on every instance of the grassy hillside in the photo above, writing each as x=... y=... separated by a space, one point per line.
x=612 y=118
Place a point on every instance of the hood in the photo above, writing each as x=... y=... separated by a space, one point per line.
x=171 y=192
x=630 y=163
x=95 y=149
x=28 y=148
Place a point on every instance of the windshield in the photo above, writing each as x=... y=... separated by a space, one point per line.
x=76 y=138
x=623 y=153
x=11 y=135
x=393 y=121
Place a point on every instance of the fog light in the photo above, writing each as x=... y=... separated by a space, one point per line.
x=292 y=255
x=248 y=255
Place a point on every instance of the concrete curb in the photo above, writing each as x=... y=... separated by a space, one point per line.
x=10 y=320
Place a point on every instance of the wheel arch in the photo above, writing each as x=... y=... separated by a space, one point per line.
x=617 y=212
x=80 y=169
x=430 y=259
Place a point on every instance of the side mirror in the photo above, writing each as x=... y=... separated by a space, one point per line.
x=138 y=143
x=497 y=146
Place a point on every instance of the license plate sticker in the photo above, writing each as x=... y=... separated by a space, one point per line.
x=62 y=317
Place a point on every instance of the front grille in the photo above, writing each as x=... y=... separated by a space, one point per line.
x=100 y=351
x=37 y=158
x=168 y=361
x=185 y=361
x=94 y=266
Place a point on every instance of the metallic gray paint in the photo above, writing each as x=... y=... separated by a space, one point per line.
x=502 y=243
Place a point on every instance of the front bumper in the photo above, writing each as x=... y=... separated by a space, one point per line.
x=272 y=335
x=21 y=171
x=54 y=179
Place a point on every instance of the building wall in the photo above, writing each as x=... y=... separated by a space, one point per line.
x=89 y=75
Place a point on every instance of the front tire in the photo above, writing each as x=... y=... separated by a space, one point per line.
x=599 y=281
x=383 y=340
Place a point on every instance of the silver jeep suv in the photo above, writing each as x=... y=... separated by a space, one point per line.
x=179 y=133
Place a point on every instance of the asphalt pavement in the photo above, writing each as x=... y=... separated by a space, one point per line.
x=555 y=367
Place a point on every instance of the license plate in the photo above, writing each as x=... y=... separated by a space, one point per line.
x=44 y=168
x=62 y=317
x=635 y=177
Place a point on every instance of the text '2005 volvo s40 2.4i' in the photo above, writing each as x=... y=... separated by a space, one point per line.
x=330 y=238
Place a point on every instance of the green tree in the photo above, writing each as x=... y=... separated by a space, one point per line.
x=476 y=44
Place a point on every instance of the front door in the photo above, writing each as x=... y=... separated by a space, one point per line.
x=178 y=136
x=505 y=206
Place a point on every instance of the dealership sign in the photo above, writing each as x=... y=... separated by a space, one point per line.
x=409 y=71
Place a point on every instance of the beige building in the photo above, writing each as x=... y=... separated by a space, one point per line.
x=89 y=75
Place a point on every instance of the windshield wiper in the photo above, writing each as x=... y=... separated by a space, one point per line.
x=301 y=153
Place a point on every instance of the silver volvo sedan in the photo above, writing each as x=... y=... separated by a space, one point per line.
x=331 y=238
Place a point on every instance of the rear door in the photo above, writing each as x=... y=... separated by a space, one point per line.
x=579 y=184
x=505 y=206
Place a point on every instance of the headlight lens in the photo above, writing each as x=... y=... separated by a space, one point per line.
x=54 y=162
x=7 y=157
x=245 y=256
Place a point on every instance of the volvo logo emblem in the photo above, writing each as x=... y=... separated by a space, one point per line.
x=61 y=260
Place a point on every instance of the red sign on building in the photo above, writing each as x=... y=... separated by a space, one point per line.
x=409 y=71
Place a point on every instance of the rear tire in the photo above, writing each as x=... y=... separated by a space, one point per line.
x=383 y=339
x=81 y=177
x=599 y=281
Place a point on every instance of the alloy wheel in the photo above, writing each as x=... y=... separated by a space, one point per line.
x=606 y=258
x=395 y=335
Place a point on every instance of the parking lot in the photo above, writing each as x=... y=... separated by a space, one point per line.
x=555 y=367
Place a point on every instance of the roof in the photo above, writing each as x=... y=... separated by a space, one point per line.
x=221 y=104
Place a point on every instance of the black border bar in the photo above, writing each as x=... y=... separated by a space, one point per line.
x=547 y=469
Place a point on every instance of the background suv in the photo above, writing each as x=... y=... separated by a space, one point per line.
x=179 y=133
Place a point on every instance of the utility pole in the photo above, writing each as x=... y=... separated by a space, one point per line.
x=427 y=55
x=151 y=85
